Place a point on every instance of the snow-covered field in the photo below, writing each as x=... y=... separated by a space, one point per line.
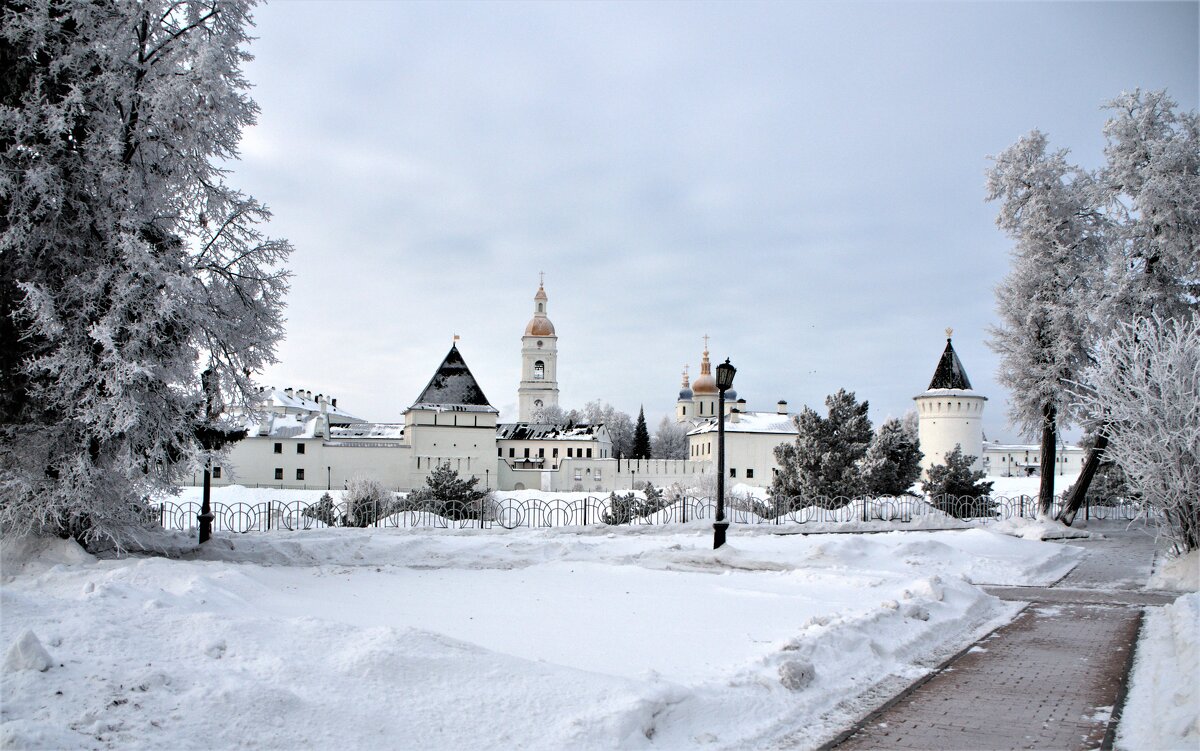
x=451 y=639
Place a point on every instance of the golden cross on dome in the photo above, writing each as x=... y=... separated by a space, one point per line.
x=949 y=332
x=706 y=342
x=541 y=278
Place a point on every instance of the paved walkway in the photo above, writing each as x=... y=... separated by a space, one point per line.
x=1050 y=679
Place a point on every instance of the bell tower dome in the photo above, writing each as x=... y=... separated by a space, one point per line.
x=539 y=362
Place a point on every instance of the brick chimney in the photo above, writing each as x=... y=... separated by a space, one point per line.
x=781 y=407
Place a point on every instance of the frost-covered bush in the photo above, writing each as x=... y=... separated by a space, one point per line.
x=1145 y=385
x=366 y=501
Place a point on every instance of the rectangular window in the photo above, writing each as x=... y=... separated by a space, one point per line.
x=542 y=453
x=555 y=453
x=526 y=453
x=589 y=455
x=279 y=473
x=499 y=453
x=217 y=473
x=299 y=474
x=511 y=452
x=749 y=474
x=570 y=453
x=299 y=448
x=279 y=448
x=732 y=472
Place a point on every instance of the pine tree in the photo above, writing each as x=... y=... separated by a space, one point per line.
x=893 y=460
x=641 y=437
x=127 y=265
x=957 y=488
x=1046 y=207
x=449 y=495
x=822 y=465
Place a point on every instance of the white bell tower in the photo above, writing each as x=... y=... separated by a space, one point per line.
x=539 y=362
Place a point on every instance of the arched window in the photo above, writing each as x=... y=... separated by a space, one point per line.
x=541 y=308
x=539 y=370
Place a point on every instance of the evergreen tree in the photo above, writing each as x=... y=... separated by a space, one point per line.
x=641 y=437
x=893 y=460
x=670 y=440
x=822 y=465
x=1046 y=206
x=447 y=494
x=957 y=488
x=127 y=265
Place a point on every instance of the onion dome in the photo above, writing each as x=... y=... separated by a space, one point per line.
x=539 y=325
x=685 y=391
x=705 y=384
x=731 y=395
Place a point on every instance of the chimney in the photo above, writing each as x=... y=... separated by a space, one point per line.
x=735 y=415
x=333 y=403
x=781 y=407
x=741 y=405
x=288 y=391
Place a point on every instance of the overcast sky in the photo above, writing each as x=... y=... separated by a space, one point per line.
x=804 y=182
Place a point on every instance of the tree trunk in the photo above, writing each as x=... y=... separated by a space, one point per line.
x=1049 y=443
x=1091 y=463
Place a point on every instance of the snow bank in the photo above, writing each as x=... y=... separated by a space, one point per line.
x=1162 y=708
x=1178 y=574
x=489 y=639
x=27 y=553
x=1037 y=529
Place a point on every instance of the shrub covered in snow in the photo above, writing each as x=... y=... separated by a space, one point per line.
x=446 y=494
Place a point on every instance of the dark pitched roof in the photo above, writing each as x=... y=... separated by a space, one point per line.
x=453 y=387
x=950 y=373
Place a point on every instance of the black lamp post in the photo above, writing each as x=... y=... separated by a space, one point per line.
x=725 y=373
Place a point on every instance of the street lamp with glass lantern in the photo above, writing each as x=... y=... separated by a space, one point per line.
x=725 y=373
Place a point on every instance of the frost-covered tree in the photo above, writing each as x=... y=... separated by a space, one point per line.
x=1145 y=386
x=127 y=264
x=1150 y=189
x=1047 y=208
x=641 y=437
x=550 y=414
x=366 y=501
x=822 y=465
x=893 y=460
x=620 y=426
x=670 y=440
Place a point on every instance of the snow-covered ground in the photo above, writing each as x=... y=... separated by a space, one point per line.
x=1162 y=708
x=450 y=639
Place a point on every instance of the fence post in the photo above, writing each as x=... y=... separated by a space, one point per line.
x=161 y=514
x=585 y=505
x=268 y=516
x=481 y=500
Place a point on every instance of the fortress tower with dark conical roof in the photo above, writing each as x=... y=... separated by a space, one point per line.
x=949 y=412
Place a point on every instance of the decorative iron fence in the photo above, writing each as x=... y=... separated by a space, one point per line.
x=512 y=513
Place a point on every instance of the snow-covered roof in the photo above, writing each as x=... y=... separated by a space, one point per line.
x=283 y=425
x=530 y=431
x=993 y=446
x=297 y=400
x=752 y=422
x=453 y=388
x=950 y=373
x=389 y=430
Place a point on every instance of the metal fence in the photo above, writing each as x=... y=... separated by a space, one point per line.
x=512 y=513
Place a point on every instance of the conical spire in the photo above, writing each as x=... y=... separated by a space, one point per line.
x=950 y=373
x=454 y=386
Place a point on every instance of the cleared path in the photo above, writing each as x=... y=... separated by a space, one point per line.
x=1050 y=679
